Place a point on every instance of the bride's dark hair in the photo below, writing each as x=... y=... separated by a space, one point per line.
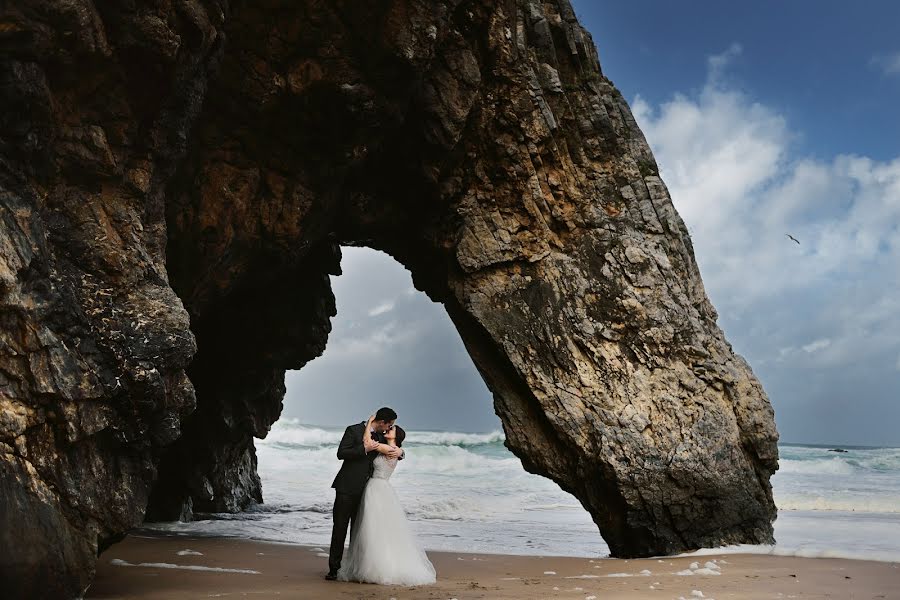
x=401 y=435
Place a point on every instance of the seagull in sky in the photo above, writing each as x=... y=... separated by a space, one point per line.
x=792 y=237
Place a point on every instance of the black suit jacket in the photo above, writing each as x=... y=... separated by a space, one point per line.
x=357 y=467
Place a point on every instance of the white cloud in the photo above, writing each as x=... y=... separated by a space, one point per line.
x=888 y=63
x=387 y=339
x=717 y=63
x=386 y=306
x=816 y=346
x=734 y=175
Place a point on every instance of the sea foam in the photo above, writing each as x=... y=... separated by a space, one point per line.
x=467 y=492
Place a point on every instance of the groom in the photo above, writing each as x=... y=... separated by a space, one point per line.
x=350 y=482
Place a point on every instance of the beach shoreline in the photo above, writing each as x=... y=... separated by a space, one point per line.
x=150 y=566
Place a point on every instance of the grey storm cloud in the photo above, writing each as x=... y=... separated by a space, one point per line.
x=390 y=346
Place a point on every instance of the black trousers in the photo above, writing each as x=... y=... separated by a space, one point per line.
x=345 y=509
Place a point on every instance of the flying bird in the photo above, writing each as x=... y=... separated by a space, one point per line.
x=792 y=237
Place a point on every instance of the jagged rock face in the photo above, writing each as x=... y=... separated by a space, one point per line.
x=95 y=103
x=187 y=171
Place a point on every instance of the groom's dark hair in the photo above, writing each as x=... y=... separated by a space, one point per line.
x=385 y=414
x=401 y=435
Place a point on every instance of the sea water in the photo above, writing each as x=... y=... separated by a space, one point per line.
x=466 y=492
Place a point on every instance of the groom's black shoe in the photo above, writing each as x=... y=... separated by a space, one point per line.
x=331 y=576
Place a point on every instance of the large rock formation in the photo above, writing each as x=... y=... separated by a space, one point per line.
x=176 y=179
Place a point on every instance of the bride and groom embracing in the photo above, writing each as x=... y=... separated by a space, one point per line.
x=382 y=547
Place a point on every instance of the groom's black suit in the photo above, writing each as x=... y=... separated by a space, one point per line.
x=358 y=465
x=349 y=486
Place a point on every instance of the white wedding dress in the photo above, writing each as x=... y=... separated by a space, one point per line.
x=382 y=547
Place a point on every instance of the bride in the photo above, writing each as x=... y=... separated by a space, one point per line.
x=382 y=547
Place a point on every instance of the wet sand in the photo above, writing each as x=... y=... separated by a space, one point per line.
x=249 y=569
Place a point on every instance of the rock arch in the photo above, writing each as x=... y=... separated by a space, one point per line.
x=171 y=214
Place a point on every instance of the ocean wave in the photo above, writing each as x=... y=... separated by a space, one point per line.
x=457 y=461
x=453 y=438
x=800 y=459
x=283 y=508
x=818 y=550
x=290 y=432
x=451 y=509
x=555 y=506
x=825 y=466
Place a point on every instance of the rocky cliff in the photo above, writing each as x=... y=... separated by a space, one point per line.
x=176 y=178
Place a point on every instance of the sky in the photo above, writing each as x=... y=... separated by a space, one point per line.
x=766 y=118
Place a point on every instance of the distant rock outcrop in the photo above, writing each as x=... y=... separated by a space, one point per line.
x=176 y=179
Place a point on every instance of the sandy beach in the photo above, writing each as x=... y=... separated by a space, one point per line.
x=142 y=566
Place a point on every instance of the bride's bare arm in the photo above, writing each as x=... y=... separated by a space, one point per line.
x=389 y=450
x=368 y=443
x=384 y=448
x=373 y=444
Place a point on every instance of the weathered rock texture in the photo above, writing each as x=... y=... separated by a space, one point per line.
x=176 y=178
